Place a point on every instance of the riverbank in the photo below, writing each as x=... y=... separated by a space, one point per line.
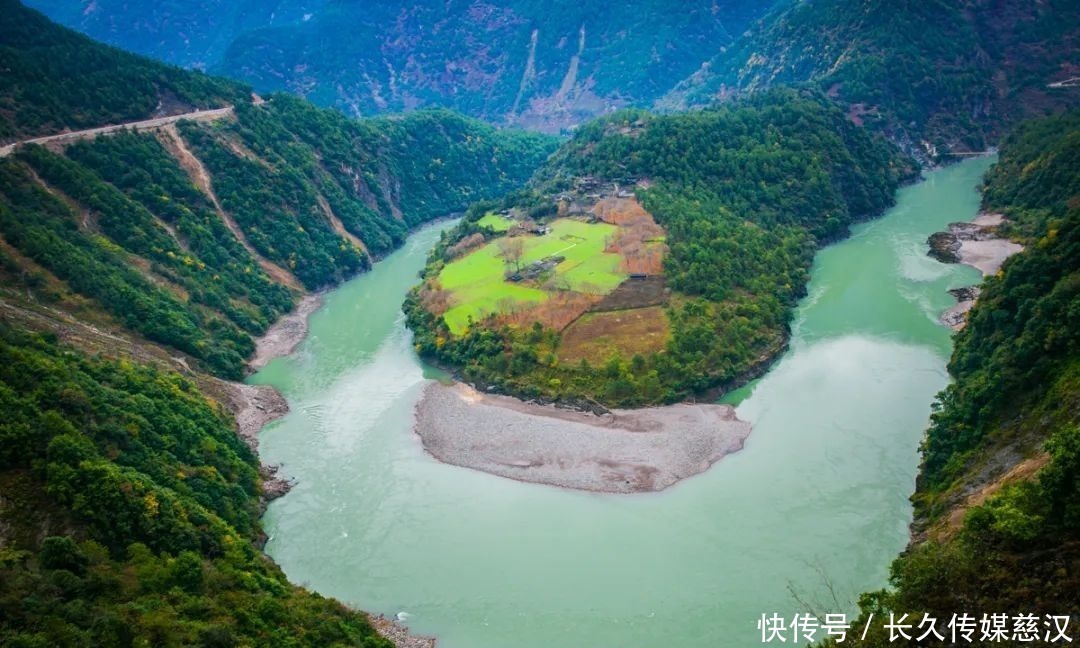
x=624 y=451
x=286 y=334
x=976 y=244
x=398 y=633
x=956 y=316
x=253 y=406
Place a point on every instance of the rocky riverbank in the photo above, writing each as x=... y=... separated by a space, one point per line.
x=398 y=633
x=283 y=337
x=624 y=451
x=976 y=244
x=956 y=316
x=253 y=406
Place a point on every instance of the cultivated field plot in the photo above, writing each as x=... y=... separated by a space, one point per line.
x=636 y=293
x=596 y=336
x=495 y=222
x=478 y=287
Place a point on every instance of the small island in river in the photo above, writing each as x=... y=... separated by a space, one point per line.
x=620 y=279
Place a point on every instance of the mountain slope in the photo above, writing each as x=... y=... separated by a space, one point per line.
x=539 y=64
x=128 y=514
x=55 y=79
x=935 y=75
x=291 y=192
x=194 y=234
x=135 y=270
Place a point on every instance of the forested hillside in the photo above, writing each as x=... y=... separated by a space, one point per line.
x=538 y=64
x=935 y=75
x=998 y=493
x=128 y=513
x=745 y=193
x=193 y=235
x=128 y=503
x=54 y=79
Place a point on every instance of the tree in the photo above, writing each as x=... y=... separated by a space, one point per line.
x=512 y=249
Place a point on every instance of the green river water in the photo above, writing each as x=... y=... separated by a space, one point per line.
x=819 y=492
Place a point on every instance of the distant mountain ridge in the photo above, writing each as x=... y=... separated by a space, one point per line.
x=193 y=33
x=544 y=65
x=935 y=76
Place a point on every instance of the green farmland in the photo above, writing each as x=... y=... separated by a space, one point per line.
x=478 y=288
x=494 y=222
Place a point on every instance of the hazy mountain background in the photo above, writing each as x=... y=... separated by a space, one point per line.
x=935 y=75
x=541 y=64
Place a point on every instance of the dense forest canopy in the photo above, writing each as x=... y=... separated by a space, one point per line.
x=55 y=79
x=44 y=229
x=745 y=193
x=130 y=511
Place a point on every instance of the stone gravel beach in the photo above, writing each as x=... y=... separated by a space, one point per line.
x=976 y=244
x=625 y=451
x=986 y=251
x=286 y=334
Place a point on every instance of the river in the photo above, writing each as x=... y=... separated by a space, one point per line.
x=816 y=502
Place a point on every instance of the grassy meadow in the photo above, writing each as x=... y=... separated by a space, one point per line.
x=477 y=284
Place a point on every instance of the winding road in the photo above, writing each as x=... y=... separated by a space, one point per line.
x=146 y=124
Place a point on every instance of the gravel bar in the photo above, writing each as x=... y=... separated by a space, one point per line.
x=626 y=451
x=286 y=334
